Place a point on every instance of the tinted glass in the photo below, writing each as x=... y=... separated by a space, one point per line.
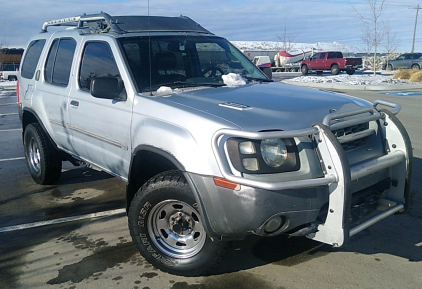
x=97 y=61
x=322 y=56
x=181 y=61
x=63 y=63
x=59 y=61
x=48 y=70
x=32 y=56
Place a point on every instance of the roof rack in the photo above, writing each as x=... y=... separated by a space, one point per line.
x=79 y=20
x=103 y=22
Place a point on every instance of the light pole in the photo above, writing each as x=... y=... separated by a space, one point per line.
x=416 y=22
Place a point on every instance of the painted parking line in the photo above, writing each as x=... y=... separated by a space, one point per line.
x=12 y=159
x=64 y=220
x=7 y=130
x=4 y=114
x=401 y=93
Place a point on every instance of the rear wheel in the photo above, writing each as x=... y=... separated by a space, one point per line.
x=43 y=160
x=350 y=71
x=334 y=69
x=166 y=226
x=416 y=66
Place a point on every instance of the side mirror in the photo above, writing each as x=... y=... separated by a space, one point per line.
x=107 y=88
x=268 y=72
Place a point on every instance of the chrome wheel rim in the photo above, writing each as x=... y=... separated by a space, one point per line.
x=176 y=229
x=34 y=155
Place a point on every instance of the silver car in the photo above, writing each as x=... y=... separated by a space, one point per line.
x=405 y=61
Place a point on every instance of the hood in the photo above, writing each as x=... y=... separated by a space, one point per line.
x=267 y=106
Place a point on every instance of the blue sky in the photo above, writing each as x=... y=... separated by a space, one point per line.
x=308 y=21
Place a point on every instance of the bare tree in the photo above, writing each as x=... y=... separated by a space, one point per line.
x=373 y=23
x=287 y=40
x=390 y=43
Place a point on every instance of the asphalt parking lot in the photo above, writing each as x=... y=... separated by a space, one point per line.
x=74 y=234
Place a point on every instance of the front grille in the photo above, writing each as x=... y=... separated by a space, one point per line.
x=349 y=138
x=351 y=129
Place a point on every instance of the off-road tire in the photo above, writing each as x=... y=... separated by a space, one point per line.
x=334 y=69
x=168 y=231
x=43 y=160
x=304 y=69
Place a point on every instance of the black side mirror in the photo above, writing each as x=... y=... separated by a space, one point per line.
x=268 y=72
x=107 y=87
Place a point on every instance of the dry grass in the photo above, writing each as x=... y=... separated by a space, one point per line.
x=416 y=77
x=405 y=73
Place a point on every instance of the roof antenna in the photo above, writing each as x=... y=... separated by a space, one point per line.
x=149 y=55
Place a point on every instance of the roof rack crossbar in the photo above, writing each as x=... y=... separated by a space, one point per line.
x=78 y=21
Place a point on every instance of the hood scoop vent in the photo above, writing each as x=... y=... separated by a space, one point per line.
x=234 y=105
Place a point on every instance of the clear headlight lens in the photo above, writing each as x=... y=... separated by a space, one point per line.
x=274 y=152
x=247 y=148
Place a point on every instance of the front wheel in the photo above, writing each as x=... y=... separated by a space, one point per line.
x=166 y=226
x=43 y=160
x=304 y=69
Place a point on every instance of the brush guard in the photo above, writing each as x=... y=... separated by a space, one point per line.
x=338 y=175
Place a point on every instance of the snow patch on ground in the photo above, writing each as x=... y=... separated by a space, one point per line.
x=376 y=80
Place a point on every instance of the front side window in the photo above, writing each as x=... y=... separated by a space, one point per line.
x=97 y=61
x=180 y=61
x=32 y=56
x=322 y=56
x=59 y=61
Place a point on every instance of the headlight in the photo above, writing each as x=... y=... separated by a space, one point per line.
x=274 y=152
x=263 y=156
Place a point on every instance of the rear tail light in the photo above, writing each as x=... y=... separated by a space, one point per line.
x=17 y=94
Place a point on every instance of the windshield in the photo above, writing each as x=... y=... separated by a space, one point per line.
x=180 y=61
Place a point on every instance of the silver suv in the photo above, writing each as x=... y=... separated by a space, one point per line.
x=210 y=147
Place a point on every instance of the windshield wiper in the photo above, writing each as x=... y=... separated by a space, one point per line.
x=182 y=84
x=258 y=79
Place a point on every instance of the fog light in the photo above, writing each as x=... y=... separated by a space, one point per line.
x=273 y=225
x=251 y=164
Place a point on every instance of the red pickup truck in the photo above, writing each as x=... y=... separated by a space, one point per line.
x=330 y=60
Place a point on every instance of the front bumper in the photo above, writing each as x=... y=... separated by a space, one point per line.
x=231 y=213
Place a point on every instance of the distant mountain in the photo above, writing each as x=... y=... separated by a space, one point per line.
x=277 y=46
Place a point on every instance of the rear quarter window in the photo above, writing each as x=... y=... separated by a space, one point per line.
x=31 y=58
x=59 y=61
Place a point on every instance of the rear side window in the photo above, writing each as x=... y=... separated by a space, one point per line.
x=32 y=56
x=97 y=61
x=59 y=61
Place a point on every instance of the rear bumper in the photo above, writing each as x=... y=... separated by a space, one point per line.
x=302 y=201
